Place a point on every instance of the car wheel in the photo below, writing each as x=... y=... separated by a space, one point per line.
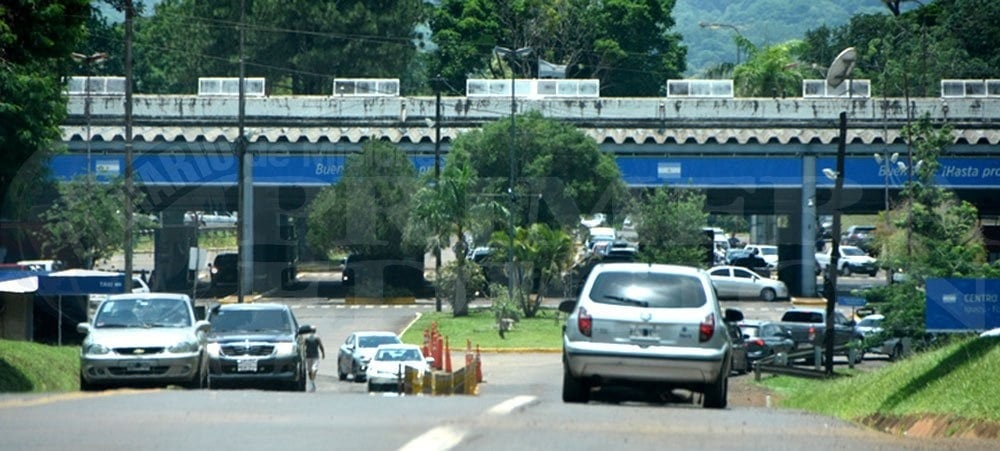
x=87 y=386
x=574 y=389
x=715 y=394
x=845 y=271
x=341 y=374
x=371 y=387
x=768 y=294
x=897 y=352
x=873 y=274
x=358 y=375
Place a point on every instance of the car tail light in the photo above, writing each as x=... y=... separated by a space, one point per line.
x=758 y=342
x=707 y=328
x=585 y=322
x=812 y=333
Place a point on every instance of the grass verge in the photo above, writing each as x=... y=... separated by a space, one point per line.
x=543 y=333
x=33 y=367
x=957 y=380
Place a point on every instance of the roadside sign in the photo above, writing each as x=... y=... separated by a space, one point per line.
x=851 y=301
x=959 y=305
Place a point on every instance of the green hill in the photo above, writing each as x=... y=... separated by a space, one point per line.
x=763 y=22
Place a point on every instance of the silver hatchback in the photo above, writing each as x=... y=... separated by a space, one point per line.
x=648 y=325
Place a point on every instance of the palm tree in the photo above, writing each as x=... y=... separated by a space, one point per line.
x=538 y=250
x=772 y=71
x=446 y=212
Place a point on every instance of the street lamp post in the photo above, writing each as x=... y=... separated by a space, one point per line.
x=716 y=26
x=437 y=82
x=512 y=55
x=88 y=61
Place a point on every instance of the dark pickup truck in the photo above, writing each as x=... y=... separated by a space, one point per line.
x=808 y=327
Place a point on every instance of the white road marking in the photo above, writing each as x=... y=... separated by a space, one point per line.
x=440 y=438
x=511 y=405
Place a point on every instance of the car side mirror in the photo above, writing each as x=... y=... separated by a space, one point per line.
x=203 y=326
x=567 y=306
x=83 y=328
x=733 y=315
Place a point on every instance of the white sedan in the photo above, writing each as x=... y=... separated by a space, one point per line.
x=387 y=367
x=735 y=282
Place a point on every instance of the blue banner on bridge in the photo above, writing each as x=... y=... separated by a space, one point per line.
x=637 y=171
x=957 y=305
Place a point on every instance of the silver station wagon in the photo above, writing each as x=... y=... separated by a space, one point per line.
x=658 y=327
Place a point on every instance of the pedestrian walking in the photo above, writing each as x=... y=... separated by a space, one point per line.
x=314 y=352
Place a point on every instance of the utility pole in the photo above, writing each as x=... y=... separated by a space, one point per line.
x=830 y=287
x=129 y=219
x=244 y=230
x=437 y=81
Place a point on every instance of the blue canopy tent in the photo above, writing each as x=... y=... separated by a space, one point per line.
x=71 y=282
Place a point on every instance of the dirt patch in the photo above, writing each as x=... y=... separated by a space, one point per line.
x=932 y=426
x=744 y=393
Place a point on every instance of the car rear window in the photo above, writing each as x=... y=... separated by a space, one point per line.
x=648 y=289
x=802 y=317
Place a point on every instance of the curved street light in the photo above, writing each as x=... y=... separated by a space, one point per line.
x=513 y=55
x=88 y=61
x=716 y=26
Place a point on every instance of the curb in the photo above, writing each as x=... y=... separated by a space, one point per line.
x=808 y=301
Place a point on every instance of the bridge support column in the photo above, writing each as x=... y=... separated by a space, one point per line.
x=797 y=237
x=172 y=247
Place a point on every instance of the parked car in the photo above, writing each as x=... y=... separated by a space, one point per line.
x=751 y=260
x=258 y=345
x=358 y=349
x=740 y=361
x=734 y=282
x=768 y=252
x=861 y=236
x=387 y=367
x=765 y=338
x=142 y=339
x=894 y=347
x=647 y=325
x=853 y=260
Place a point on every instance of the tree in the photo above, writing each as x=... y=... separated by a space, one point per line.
x=447 y=213
x=931 y=234
x=298 y=45
x=772 y=71
x=559 y=171
x=906 y=53
x=36 y=39
x=538 y=251
x=670 y=226
x=594 y=39
x=86 y=220
x=366 y=211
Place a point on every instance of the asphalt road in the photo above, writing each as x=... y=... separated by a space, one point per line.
x=518 y=407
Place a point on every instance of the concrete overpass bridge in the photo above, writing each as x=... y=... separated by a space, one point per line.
x=750 y=155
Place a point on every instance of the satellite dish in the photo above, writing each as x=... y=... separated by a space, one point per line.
x=841 y=67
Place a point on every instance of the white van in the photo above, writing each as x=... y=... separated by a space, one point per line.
x=42 y=265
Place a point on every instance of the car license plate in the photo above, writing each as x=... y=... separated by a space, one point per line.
x=246 y=366
x=643 y=332
x=138 y=367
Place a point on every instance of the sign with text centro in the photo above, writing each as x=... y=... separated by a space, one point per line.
x=960 y=305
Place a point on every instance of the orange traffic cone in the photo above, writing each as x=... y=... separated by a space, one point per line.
x=479 y=366
x=447 y=356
